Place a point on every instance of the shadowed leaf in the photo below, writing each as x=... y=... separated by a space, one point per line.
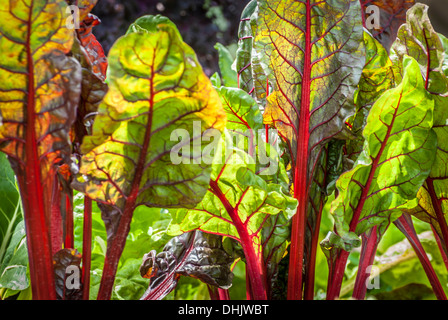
x=193 y=254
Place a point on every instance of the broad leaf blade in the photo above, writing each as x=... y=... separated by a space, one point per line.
x=249 y=196
x=396 y=159
x=313 y=54
x=229 y=76
x=311 y=81
x=418 y=39
x=157 y=94
x=13 y=268
x=377 y=77
x=156 y=86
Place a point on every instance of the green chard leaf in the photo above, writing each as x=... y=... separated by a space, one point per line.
x=445 y=49
x=155 y=86
x=433 y=195
x=243 y=196
x=390 y=15
x=229 y=76
x=235 y=192
x=430 y=50
x=276 y=240
x=10 y=212
x=312 y=54
x=397 y=157
x=39 y=93
x=418 y=39
x=157 y=94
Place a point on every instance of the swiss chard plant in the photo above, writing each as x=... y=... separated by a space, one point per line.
x=319 y=138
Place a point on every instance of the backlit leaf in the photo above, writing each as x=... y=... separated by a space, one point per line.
x=396 y=159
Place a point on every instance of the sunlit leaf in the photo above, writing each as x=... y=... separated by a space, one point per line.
x=229 y=76
x=38 y=98
x=418 y=39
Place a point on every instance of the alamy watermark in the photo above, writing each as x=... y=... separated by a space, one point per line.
x=240 y=147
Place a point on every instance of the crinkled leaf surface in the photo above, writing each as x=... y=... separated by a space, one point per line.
x=433 y=196
x=157 y=94
x=93 y=51
x=242 y=111
x=156 y=85
x=418 y=39
x=244 y=118
x=314 y=70
x=377 y=77
x=252 y=77
x=245 y=45
x=445 y=48
x=313 y=55
x=396 y=159
x=88 y=51
x=41 y=86
x=275 y=243
x=194 y=254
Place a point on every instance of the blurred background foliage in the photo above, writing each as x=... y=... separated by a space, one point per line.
x=202 y=23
